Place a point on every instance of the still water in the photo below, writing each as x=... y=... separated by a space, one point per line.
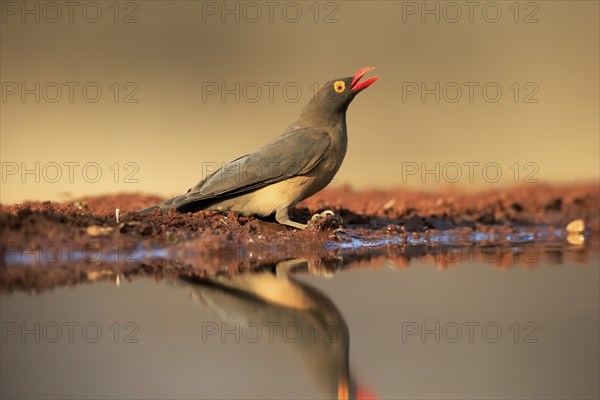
x=379 y=329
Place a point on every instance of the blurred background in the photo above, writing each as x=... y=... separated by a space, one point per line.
x=149 y=96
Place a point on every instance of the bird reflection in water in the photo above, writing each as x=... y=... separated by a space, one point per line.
x=276 y=299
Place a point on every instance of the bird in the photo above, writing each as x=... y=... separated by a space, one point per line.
x=299 y=163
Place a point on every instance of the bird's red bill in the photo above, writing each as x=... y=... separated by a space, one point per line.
x=358 y=86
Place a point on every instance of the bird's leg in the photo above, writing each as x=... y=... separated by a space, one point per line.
x=283 y=218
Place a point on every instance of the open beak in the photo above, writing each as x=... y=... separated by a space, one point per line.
x=358 y=86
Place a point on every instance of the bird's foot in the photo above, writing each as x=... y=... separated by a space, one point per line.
x=324 y=214
x=325 y=220
x=320 y=221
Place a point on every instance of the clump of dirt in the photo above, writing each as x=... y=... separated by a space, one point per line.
x=46 y=244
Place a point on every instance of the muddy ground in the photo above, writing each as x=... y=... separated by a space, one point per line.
x=45 y=244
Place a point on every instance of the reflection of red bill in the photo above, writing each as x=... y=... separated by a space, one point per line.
x=363 y=394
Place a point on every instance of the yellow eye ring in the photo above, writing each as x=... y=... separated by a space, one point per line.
x=339 y=86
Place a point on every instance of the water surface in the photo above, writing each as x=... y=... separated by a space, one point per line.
x=394 y=330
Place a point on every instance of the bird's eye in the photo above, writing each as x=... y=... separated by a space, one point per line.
x=339 y=86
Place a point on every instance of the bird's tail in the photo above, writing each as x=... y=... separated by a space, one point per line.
x=164 y=206
x=148 y=210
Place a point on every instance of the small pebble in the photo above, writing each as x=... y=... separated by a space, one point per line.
x=575 y=238
x=576 y=226
x=96 y=230
x=389 y=204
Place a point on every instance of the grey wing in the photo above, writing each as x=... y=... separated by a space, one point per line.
x=294 y=153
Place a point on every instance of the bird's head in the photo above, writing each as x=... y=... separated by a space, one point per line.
x=335 y=96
